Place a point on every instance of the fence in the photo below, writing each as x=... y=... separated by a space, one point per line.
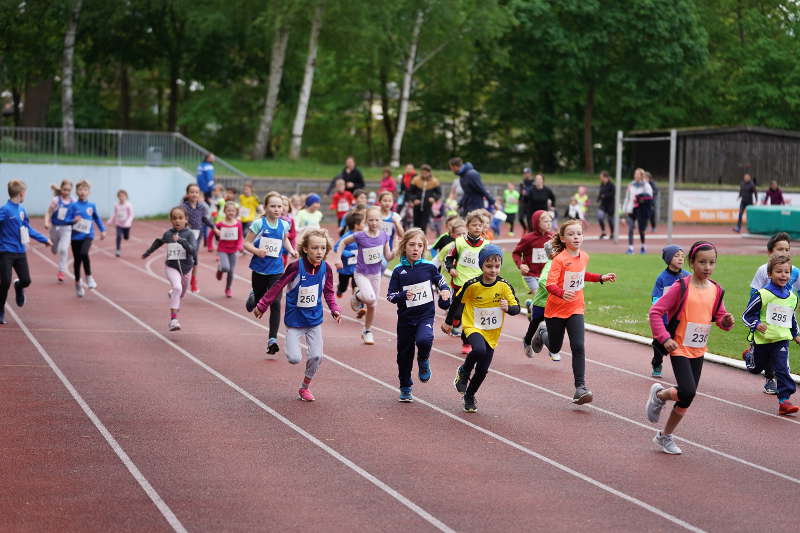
x=106 y=147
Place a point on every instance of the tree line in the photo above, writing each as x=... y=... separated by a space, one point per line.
x=505 y=83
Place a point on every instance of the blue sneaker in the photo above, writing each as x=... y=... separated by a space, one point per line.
x=656 y=373
x=405 y=395
x=629 y=251
x=2 y=317
x=424 y=370
x=747 y=355
x=250 y=304
x=528 y=306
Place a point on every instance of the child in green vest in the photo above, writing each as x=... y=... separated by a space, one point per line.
x=511 y=203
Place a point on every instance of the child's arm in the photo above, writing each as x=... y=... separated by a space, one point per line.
x=398 y=228
x=395 y=293
x=153 y=247
x=658 y=290
x=599 y=278
x=441 y=283
x=275 y=291
x=49 y=213
x=35 y=234
x=287 y=244
x=248 y=245
x=723 y=318
x=388 y=253
x=99 y=222
x=455 y=311
x=752 y=312
x=329 y=294
x=664 y=306
x=556 y=267
x=188 y=244
x=511 y=302
x=338 y=256
x=522 y=247
x=450 y=257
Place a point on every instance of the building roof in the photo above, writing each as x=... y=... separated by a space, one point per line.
x=716 y=130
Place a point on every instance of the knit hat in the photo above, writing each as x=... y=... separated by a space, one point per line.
x=489 y=251
x=312 y=199
x=669 y=252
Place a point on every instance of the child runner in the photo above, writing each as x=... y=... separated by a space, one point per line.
x=411 y=289
x=479 y=306
x=692 y=305
x=355 y=223
x=445 y=238
x=219 y=216
x=197 y=220
x=288 y=216
x=437 y=216
x=770 y=315
x=309 y=279
x=231 y=242
x=342 y=200
x=181 y=251
x=82 y=214
x=536 y=311
x=248 y=205
x=373 y=247
x=390 y=223
x=673 y=256
x=511 y=203
x=529 y=255
x=60 y=231
x=361 y=204
x=215 y=206
x=458 y=228
x=268 y=236
x=565 y=306
x=388 y=182
x=122 y=218
x=310 y=216
x=15 y=234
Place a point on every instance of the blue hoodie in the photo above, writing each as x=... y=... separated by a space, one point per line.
x=474 y=191
x=403 y=276
x=13 y=218
x=205 y=176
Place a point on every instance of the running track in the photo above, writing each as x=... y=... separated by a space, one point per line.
x=111 y=422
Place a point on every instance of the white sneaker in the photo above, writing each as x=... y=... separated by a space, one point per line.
x=174 y=325
x=667 y=444
x=79 y=289
x=554 y=356
x=90 y=282
x=654 y=403
x=528 y=349
x=367 y=337
x=355 y=303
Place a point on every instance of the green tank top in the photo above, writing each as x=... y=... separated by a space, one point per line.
x=467 y=265
x=776 y=314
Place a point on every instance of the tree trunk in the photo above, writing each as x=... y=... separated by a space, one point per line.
x=383 y=77
x=37 y=102
x=405 y=95
x=368 y=128
x=279 y=44
x=174 y=93
x=305 y=90
x=67 y=115
x=16 y=99
x=124 y=98
x=588 y=147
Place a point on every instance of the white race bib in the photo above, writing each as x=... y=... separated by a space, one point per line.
x=468 y=258
x=372 y=255
x=696 y=335
x=538 y=255
x=272 y=246
x=228 y=234
x=62 y=213
x=175 y=252
x=24 y=236
x=573 y=281
x=196 y=233
x=342 y=206
x=244 y=212
x=421 y=293
x=307 y=296
x=387 y=227
x=487 y=317
x=83 y=225
x=778 y=315
x=500 y=215
x=352 y=260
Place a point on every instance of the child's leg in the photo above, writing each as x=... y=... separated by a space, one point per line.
x=687 y=376
x=274 y=308
x=532 y=282
x=555 y=333
x=341 y=286
x=86 y=244
x=231 y=273
x=185 y=281
x=576 y=332
x=120 y=232
x=222 y=264
x=20 y=265
x=313 y=337
x=405 y=353
x=177 y=287
x=762 y=358
x=6 y=260
x=511 y=219
x=367 y=295
x=537 y=315
x=631 y=223
x=260 y=284
x=293 y=338
x=786 y=386
x=658 y=356
x=126 y=233
x=423 y=337
x=76 y=259
x=481 y=356
x=64 y=234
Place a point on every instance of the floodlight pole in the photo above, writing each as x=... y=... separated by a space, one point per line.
x=618 y=194
x=673 y=149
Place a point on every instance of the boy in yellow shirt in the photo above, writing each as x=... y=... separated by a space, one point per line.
x=248 y=205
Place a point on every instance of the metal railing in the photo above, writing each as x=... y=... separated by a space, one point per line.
x=106 y=147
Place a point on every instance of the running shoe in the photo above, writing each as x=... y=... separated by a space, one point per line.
x=250 y=304
x=272 y=346
x=424 y=370
x=667 y=444
x=602 y=236
x=193 y=285
x=528 y=349
x=60 y=277
x=529 y=306
x=654 y=403
x=786 y=408
x=770 y=387
x=465 y=349
x=629 y=251
x=20 y=293
x=117 y=253
x=305 y=395
x=361 y=312
x=355 y=304
x=219 y=275
x=747 y=356
x=582 y=395
x=405 y=395
x=456 y=331
x=470 y=405
x=643 y=250
x=90 y=282
x=460 y=381
x=79 y=289
x=656 y=372
x=2 y=318
x=554 y=356
x=174 y=325
x=367 y=337
x=537 y=342
x=228 y=293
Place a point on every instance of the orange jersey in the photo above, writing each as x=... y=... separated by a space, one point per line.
x=567 y=272
x=695 y=321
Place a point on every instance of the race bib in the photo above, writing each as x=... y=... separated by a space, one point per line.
x=696 y=335
x=342 y=206
x=500 y=215
x=196 y=233
x=83 y=225
x=228 y=234
x=307 y=296
x=372 y=255
x=573 y=281
x=421 y=293
x=352 y=260
x=779 y=315
x=244 y=212
x=24 y=235
x=62 y=213
x=468 y=258
x=387 y=227
x=272 y=246
x=487 y=317
x=175 y=252
x=538 y=255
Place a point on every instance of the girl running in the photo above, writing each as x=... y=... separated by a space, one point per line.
x=390 y=222
x=309 y=279
x=267 y=239
x=373 y=247
x=54 y=222
x=181 y=251
x=691 y=305
x=411 y=289
x=231 y=242
x=82 y=215
x=197 y=220
x=529 y=254
x=288 y=216
x=122 y=218
x=565 y=307
x=479 y=306
x=355 y=223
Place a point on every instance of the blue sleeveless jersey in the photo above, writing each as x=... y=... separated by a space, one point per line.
x=270 y=239
x=54 y=215
x=304 y=298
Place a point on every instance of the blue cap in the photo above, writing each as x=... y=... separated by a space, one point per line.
x=489 y=251
x=669 y=252
x=312 y=199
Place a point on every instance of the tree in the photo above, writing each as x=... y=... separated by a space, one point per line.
x=279 y=44
x=68 y=120
x=308 y=78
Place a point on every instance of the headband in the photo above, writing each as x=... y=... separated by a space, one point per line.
x=700 y=244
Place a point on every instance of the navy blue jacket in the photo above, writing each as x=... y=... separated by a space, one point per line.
x=405 y=274
x=474 y=191
x=752 y=313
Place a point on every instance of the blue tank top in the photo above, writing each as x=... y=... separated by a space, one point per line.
x=304 y=298
x=271 y=240
x=60 y=212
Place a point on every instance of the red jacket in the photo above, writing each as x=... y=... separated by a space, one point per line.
x=523 y=253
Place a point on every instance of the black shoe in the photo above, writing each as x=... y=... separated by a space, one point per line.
x=272 y=346
x=20 y=294
x=470 y=406
x=460 y=382
x=250 y=304
x=2 y=318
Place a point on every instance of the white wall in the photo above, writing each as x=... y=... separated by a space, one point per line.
x=151 y=190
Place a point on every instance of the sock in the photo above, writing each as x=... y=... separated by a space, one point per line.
x=306 y=381
x=173 y=314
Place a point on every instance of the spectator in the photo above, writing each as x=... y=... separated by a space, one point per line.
x=205 y=176
x=605 y=205
x=405 y=183
x=350 y=174
x=472 y=185
x=774 y=195
x=637 y=205
x=387 y=182
x=748 y=195
x=422 y=194
x=654 y=208
x=524 y=192
x=540 y=197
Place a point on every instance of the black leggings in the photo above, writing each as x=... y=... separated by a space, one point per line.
x=574 y=328
x=537 y=315
x=344 y=281
x=510 y=219
x=261 y=284
x=640 y=217
x=80 y=255
x=122 y=233
x=479 y=358
x=687 y=375
x=19 y=262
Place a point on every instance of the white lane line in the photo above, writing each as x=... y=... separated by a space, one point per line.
x=419 y=511
x=607 y=488
x=166 y=512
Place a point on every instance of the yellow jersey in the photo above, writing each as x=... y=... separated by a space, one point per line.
x=478 y=307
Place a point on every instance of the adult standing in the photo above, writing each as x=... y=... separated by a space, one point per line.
x=353 y=179
x=748 y=195
x=423 y=192
x=774 y=195
x=637 y=206
x=540 y=198
x=605 y=205
x=472 y=185
x=205 y=176
x=525 y=188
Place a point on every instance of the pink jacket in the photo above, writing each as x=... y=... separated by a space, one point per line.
x=671 y=305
